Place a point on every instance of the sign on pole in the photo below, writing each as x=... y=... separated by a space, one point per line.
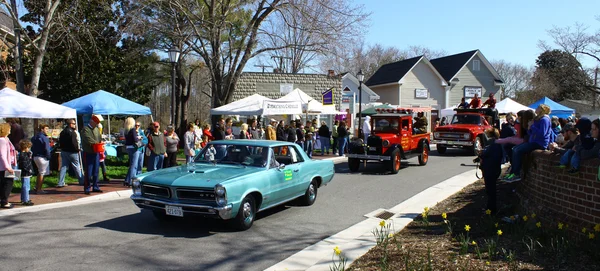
x=328 y=96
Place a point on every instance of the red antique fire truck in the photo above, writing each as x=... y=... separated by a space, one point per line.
x=391 y=140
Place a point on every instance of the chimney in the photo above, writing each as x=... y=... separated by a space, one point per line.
x=330 y=73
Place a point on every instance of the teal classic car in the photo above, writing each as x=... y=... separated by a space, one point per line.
x=233 y=180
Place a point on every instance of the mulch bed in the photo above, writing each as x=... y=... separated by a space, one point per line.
x=429 y=246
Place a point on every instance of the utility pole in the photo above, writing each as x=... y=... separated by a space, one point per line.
x=281 y=58
x=263 y=67
x=595 y=100
x=18 y=49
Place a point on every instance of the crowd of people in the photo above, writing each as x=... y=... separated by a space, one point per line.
x=574 y=139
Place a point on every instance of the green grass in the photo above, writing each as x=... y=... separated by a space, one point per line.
x=115 y=169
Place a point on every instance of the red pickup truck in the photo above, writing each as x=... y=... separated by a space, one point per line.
x=466 y=130
x=391 y=140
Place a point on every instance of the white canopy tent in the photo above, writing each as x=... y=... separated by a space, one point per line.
x=508 y=105
x=447 y=112
x=19 y=105
x=251 y=105
x=309 y=104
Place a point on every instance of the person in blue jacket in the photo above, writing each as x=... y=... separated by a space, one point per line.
x=540 y=135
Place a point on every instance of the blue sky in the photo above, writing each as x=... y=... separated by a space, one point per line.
x=506 y=29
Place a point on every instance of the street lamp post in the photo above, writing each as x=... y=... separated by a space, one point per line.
x=173 y=57
x=360 y=77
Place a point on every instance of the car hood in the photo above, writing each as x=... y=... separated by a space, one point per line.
x=203 y=175
x=456 y=128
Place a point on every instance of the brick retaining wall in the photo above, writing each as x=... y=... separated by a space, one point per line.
x=556 y=196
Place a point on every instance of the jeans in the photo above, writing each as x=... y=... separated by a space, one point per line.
x=490 y=178
x=342 y=144
x=140 y=162
x=189 y=159
x=134 y=157
x=69 y=159
x=335 y=144
x=324 y=144
x=518 y=153
x=301 y=143
x=170 y=160
x=308 y=147
x=570 y=157
x=6 y=185
x=156 y=161
x=25 y=186
x=91 y=162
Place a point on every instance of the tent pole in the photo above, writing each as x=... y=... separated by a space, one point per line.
x=79 y=152
x=108 y=133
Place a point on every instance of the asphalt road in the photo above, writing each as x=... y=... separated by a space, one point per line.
x=115 y=235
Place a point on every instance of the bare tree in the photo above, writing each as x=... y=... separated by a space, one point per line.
x=541 y=86
x=516 y=77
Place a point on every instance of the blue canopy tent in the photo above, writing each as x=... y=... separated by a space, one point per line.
x=558 y=110
x=106 y=103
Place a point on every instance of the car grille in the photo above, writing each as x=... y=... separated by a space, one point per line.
x=196 y=194
x=451 y=136
x=374 y=142
x=156 y=191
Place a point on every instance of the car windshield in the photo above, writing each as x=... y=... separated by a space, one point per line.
x=246 y=155
x=466 y=119
x=385 y=124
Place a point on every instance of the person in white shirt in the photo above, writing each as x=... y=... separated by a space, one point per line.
x=366 y=128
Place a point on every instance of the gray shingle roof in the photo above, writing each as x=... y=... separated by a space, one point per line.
x=449 y=66
x=392 y=72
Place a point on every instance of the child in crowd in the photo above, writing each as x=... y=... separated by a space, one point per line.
x=580 y=152
x=25 y=164
x=491 y=162
x=584 y=126
x=204 y=140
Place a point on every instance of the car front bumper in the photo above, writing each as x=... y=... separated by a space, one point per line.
x=452 y=143
x=368 y=157
x=223 y=212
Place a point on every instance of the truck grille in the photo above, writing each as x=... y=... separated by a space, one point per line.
x=374 y=142
x=156 y=191
x=452 y=136
x=196 y=194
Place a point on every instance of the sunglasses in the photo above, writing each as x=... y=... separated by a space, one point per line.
x=137 y=125
x=156 y=126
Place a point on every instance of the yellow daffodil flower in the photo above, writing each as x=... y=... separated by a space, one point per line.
x=597 y=228
x=382 y=223
x=426 y=209
x=337 y=251
x=584 y=230
x=444 y=216
x=487 y=263
x=467 y=228
x=525 y=218
x=560 y=226
x=424 y=214
x=533 y=215
x=391 y=235
x=499 y=232
x=591 y=235
x=474 y=243
x=488 y=212
x=539 y=224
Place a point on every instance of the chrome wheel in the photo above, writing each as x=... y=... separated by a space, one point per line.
x=247 y=212
x=312 y=194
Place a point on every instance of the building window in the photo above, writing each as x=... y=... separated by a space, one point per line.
x=476 y=65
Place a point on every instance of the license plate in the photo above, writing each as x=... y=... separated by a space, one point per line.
x=451 y=142
x=372 y=148
x=174 y=210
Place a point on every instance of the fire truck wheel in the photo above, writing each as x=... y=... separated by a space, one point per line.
x=395 y=161
x=441 y=148
x=424 y=157
x=353 y=164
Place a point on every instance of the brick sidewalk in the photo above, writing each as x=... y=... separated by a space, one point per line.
x=71 y=192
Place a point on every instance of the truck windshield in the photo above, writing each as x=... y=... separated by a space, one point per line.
x=466 y=119
x=385 y=125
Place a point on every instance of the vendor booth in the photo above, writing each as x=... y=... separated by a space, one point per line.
x=557 y=109
x=106 y=103
x=510 y=106
x=249 y=106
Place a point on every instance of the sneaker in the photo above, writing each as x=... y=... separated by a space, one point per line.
x=573 y=171
x=39 y=192
x=508 y=176
x=29 y=203
x=61 y=186
x=513 y=178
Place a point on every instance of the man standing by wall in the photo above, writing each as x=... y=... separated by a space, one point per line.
x=90 y=135
x=69 y=153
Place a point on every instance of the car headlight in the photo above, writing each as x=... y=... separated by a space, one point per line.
x=385 y=143
x=436 y=134
x=221 y=195
x=136 y=186
x=467 y=136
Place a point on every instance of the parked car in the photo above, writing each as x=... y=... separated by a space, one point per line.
x=466 y=130
x=390 y=141
x=233 y=180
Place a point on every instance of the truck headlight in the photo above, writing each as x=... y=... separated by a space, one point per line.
x=467 y=136
x=221 y=195
x=136 y=186
x=436 y=134
x=385 y=143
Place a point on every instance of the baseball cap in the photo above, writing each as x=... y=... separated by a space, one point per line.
x=273 y=120
x=97 y=118
x=156 y=124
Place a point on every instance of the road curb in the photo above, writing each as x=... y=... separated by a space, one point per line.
x=115 y=195
x=358 y=239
